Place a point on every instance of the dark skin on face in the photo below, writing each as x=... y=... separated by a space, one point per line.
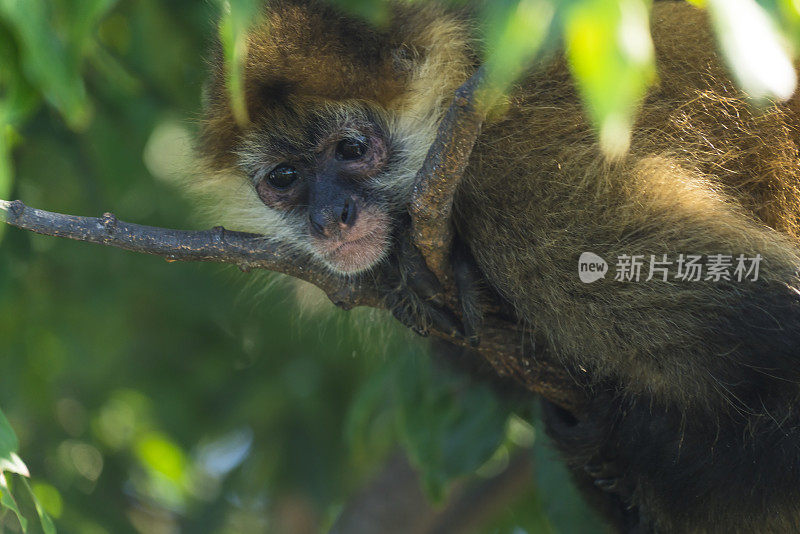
x=347 y=226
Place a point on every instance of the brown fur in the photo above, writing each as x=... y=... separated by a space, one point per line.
x=697 y=367
x=308 y=50
x=705 y=173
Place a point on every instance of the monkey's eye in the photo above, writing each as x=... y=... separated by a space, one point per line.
x=282 y=176
x=351 y=148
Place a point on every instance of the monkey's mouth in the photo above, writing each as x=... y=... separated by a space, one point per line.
x=355 y=255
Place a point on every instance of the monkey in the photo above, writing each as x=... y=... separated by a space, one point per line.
x=693 y=423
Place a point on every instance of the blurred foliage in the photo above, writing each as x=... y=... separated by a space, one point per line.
x=11 y=465
x=162 y=398
x=237 y=15
x=611 y=55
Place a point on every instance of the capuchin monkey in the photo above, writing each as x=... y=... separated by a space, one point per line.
x=694 y=420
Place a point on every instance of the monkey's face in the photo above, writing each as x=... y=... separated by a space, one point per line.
x=341 y=115
x=323 y=167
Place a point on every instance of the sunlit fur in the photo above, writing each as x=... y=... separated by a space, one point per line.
x=707 y=423
x=706 y=174
x=700 y=378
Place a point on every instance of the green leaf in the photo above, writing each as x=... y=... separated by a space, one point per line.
x=516 y=32
x=45 y=60
x=159 y=453
x=368 y=401
x=14 y=464
x=44 y=520
x=753 y=47
x=611 y=56
x=566 y=510
x=375 y=12
x=7 y=501
x=83 y=19
x=8 y=439
x=6 y=175
x=785 y=14
x=10 y=462
x=238 y=16
x=49 y=497
x=19 y=98
x=450 y=425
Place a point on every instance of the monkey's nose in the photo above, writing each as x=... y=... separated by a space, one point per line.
x=318 y=225
x=347 y=213
x=329 y=221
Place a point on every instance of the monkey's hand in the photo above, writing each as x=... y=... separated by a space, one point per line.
x=418 y=300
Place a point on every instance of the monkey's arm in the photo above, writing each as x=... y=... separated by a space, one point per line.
x=436 y=183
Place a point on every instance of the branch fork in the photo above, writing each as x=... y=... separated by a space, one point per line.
x=431 y=232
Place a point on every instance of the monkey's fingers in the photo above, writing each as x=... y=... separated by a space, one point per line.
x=405 y=312
x=419 y=301
x=429 y=294
x=416 y=275
x=445 y=321
x=420 y=316
x=468 y=281
x=425 y=284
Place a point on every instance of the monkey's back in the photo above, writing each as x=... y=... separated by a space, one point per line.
x=706 y=174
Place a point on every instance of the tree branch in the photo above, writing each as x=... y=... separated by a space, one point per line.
x=503 y=342
x=436 y=182
x=245 y=250
x=394 y=503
